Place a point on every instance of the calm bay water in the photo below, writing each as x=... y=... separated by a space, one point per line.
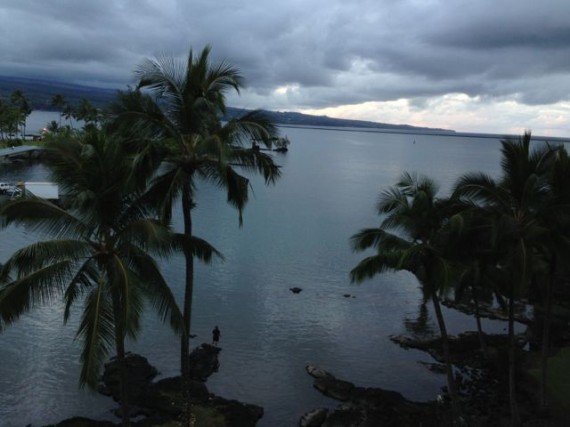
x=295 y=233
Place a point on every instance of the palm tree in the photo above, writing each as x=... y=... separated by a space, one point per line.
x=512 y=208
x=471 y=249
x=100 y=254
x=556 y=247
x=412 y=237
x=87 y=113
x=191 y=144
x=59 y=102
x=22 y=104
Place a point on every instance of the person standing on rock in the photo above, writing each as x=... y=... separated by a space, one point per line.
x=216 y=335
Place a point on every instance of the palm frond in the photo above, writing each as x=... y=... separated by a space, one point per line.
x=39 y=287
x=373 y=265
x=97 y=332
x=196 y=247
x=43 y=216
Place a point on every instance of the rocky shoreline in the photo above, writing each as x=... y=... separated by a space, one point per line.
x=481 y=381
x=161 y=403
x=480 y=378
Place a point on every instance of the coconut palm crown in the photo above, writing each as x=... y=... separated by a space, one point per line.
x=412 y=236
x=176 y=112
x=99 y=251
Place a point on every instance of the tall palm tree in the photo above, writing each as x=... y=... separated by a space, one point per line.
x=513 y=207
x=412 y=237
x=184 y=118
x=479 y=275
x=59 y=102
x=100 y=253
x=22 y=104
x=556 y=218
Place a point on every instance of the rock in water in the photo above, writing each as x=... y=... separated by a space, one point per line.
x=139 y=375
x=204 y=362
x=295 y=290
x=314 y=418
x=317 y=372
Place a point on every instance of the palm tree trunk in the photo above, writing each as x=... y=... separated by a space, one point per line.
x=480 y=332
x=546 y=333
x=187 y=205
x=448 y=367
x=120 y=348
x=515 y=416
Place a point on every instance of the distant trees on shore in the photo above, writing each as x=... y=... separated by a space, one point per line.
x=14 y=111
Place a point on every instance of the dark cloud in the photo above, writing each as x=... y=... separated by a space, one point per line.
x=318 y=53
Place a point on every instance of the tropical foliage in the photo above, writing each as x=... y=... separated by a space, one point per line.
x=122 y=180
x=13 y=114
x=412 y=236
x=493 y=241
x=100 y=255
x=181 y=118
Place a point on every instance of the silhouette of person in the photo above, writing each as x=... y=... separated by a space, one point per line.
x=216 y=335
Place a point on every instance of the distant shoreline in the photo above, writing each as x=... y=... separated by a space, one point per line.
x=427 y=132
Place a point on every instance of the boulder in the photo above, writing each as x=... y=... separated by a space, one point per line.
x=237 y=414
x=332 y=387
x=366 y=407
x=204 y=362
x=139 y=375
x=314 y=418
x=82 y=422
x=317 y=372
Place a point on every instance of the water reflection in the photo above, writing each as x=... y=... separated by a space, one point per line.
x=422 y=326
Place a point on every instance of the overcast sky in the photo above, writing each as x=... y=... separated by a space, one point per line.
x=497 y=66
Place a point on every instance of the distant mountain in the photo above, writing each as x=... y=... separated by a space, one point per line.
x=299 y=119
x=40 y=92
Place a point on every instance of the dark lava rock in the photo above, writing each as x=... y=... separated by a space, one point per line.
x=237 y=414
x=204 y=362
x=163 y=401
x=165 y=396
x=138 y=376
x=314 y=418
x=82 y=422
x=366 y=407
x=332 y=387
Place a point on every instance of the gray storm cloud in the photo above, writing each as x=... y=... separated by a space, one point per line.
x=331 y=52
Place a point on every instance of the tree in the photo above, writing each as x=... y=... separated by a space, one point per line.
x=87 y=113
x=101 y=253
x=556 y=248
x=183 y=118
x=59 y=102
x=412 y=237
x=512 y=209
x=479 y=276
x=9 y=120
x=22 y=105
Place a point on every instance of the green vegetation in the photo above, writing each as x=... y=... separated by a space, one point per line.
x=100 y=255
x=185 y=111
x=121 y=174
x=503 y=237
x=558 y=379
x=412 y=237
x=13 y=114
x=493 y=242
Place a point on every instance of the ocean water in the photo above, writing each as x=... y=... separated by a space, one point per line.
x=295 y=233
